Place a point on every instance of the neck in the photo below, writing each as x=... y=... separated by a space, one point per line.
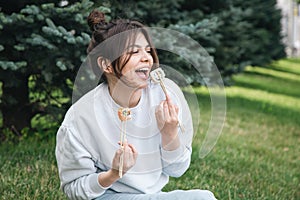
x=123 y=95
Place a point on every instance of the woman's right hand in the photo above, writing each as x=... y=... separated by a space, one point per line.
x=129 y=158
x=105 y=179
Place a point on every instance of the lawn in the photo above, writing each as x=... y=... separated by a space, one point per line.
x=257 y=155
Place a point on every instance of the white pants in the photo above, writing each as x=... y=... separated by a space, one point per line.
x=173 y=195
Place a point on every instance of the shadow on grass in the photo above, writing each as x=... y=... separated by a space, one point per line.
x=292 y=60
x=249 y=108
x=276 y=85
x=279 y=67
x=275 y=68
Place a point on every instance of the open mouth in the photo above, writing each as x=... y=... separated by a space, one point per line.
x=143 y=72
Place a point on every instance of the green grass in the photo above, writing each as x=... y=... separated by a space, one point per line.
x=256 y=157
x=28 y=170
x=258 y=154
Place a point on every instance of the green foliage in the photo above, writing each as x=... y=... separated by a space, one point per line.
x=249 y=32
x=44 y=43
x=235 y=33
x=173 y=15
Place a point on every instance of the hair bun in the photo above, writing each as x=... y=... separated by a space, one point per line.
x=95 y=17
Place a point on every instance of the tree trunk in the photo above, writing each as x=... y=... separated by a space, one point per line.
x=15 y=106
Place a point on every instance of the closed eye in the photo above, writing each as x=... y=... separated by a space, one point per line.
x=139 y=51
x=134 y=49
x=134 y=52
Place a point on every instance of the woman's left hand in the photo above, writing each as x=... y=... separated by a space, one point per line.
x=167 y=120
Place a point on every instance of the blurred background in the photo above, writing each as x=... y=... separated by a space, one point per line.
x=255 y=44
x=44 y=42
x=290 y=19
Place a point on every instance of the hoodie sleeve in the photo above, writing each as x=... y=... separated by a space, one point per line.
x=77 y=171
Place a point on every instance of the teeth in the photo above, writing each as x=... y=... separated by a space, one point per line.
x=143 y=70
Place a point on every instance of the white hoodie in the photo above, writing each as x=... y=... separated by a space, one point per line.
x=88 y=139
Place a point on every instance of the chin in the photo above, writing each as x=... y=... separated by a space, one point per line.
x=143 y=85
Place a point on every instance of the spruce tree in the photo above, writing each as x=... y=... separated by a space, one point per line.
x=42 y=46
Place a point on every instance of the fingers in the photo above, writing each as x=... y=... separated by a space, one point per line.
x=124 y=142
x=177 y=109
x=167 y=110
x=118 y=153
x=134 y=151
x=168 y=99
x=173 y=111
x=159 y=112
x=170 y=111
x=124 y=158
x=127 y=149
x=167 y=116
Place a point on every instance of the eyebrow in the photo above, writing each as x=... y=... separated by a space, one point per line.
x=138 y=46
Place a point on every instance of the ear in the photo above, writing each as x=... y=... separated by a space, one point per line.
x=105 y=65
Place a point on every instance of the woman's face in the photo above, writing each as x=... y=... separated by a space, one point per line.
x=136 y=71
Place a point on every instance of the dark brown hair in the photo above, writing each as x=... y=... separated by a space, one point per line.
x=114 y=49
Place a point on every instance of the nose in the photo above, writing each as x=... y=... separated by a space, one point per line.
x=146 y=56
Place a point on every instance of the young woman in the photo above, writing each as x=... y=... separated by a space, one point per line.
x=93 y=162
